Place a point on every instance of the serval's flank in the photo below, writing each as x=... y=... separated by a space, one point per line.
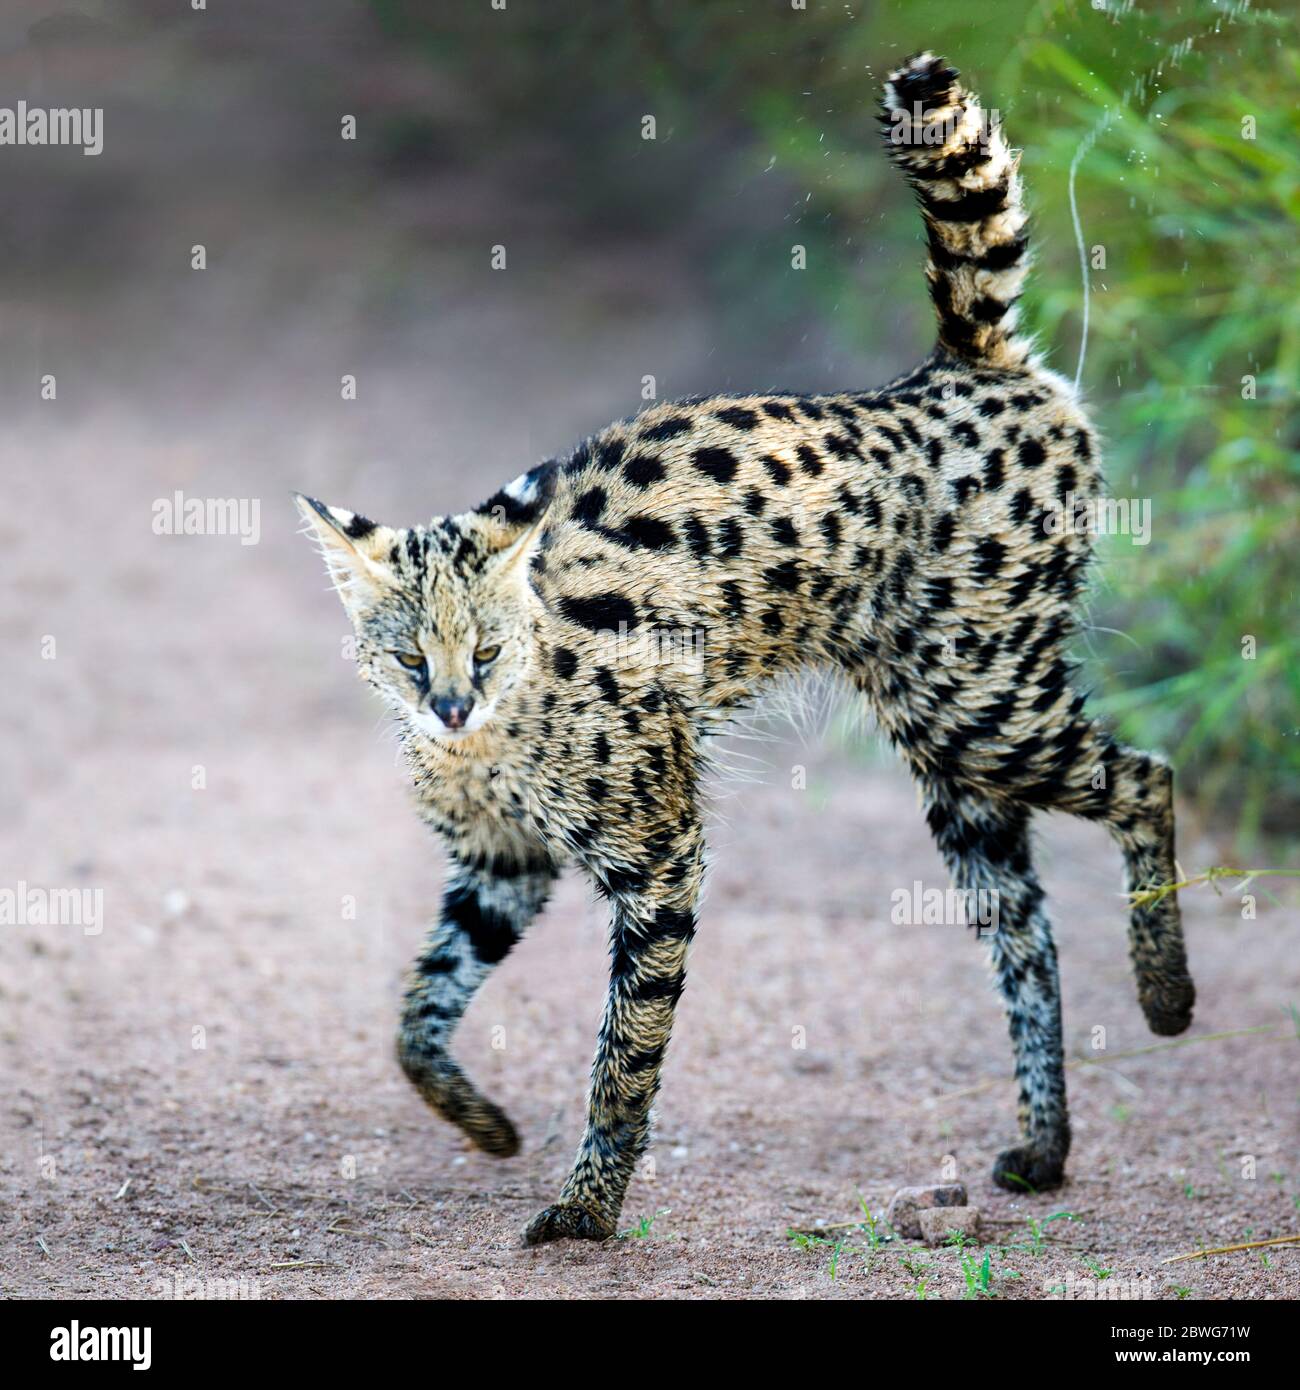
x=558 y=657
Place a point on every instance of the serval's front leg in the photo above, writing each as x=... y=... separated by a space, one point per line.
x=486 y=908
x=651 y=931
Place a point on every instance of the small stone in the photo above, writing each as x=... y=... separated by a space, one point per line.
x=908 y=1202
x=175 y=902
x=938 y=1223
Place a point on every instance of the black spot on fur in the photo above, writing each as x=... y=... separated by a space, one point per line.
x=938 y=594
x=734 y=597
x=909 y=429
x=603 y=679
x=895 y=439
x=490 y=933
x=579 y=458
x=589 y=506
x=668 y=429
x=600 y=612
x=994 y=474
x=841 y=447
x=619 y=879
x=673 y=924
x=641 y=470
x=941 y=534
x=989 y=555
x=810 y=461
x=718 y=464
x=610 y=454
x=645 y=533
x=972 y=206
x=731 y=537
x=783 y=531
x=697 y=537
x=1030 y=453
x=779 y=472
x=784 y=576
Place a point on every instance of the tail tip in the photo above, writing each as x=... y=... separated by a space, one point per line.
x=924 y=79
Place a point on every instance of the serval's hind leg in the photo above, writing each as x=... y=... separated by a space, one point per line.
x=986 y=846
x=1142 y=820
x=1132 y=794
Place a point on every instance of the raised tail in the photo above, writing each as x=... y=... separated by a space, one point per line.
x=954 y=156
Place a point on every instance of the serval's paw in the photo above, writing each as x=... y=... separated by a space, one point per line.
x=447 y=1092
x=489 y=1127
x=1024 y=1169
x=568 y=1220
x=1168 y=1005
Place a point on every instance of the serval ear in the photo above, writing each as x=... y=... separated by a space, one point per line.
x=357 y=551
x=511 y=521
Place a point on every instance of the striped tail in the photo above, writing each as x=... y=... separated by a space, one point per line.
x=967 y=183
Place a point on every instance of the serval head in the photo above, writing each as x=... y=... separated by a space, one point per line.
x=443 y=614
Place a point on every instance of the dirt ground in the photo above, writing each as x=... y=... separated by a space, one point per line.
x=206 y=1091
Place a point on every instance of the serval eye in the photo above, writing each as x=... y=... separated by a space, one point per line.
x=410 y=660
x=485 y=656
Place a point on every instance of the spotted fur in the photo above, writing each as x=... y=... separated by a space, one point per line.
x=608 y=611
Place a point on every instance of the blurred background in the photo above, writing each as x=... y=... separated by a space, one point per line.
x=522 y=127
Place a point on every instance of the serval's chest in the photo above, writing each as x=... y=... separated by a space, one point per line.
x=481 y=796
